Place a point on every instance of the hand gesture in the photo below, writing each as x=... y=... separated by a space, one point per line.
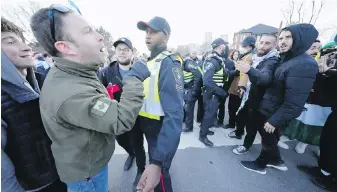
x=269 y=128
x=150 y=178
x=242 y=66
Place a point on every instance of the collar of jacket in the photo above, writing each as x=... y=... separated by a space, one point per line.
x=156 y=51
x=242 y=56
x=74 y=68
x=20 y=89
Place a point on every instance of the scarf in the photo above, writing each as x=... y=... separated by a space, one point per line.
x=256 y=61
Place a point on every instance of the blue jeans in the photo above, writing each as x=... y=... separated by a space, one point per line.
x=97 y=183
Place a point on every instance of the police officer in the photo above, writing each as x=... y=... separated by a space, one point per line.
x=161 y=116
x=213 y=81
x=230 y=68
x=111 y=77
x=192 y=87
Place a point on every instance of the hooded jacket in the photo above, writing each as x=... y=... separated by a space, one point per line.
x=25 y=144
x=293 y=79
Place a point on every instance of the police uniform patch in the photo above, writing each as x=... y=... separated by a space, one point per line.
x=178 y=76
x=208 y=65
x=100 y=107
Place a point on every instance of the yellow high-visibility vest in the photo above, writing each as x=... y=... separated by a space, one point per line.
x=152 y=108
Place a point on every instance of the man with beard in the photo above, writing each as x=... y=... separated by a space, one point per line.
x=314 y=49
x=260 y=75
x=213 y=82
x=285 y=97
x=111 y=77
x=192 y=88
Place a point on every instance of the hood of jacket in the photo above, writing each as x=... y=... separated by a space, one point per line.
x=304 y=35
x=20 y=89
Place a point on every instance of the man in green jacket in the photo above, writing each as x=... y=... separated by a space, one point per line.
x=78 y=115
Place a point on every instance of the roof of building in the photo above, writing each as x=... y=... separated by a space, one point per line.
x=260 y=29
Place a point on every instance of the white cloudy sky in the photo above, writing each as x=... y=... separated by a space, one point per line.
x=189 y=19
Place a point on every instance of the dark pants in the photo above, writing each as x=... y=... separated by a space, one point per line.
x=241 y=120
x=124 y=141
x=190 y=99
x=328 y=145
x=151 y=129
x=200 y=112
x=211 y=108
x=222 y=109
x=137 y=143
x=56 y=186
x=270 y=152
x=233 y=106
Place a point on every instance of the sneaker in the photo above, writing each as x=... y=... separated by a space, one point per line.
x=253 y=166
x=240 y=150
x=233 y=135
x=279 y=165
x=300 y=147
x=282 y=145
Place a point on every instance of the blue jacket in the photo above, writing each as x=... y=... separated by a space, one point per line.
x=170 y=85
x=293 y=79
x=212 y=65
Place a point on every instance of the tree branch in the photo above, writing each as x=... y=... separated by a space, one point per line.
x=319 y=11
x=299 y=12
x=312 y=11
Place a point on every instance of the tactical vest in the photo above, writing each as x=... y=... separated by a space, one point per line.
x=152 y=108
x=218 y=76
x=188 y=77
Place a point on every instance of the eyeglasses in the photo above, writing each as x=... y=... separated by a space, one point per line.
x=126 y=50
x=59 y=8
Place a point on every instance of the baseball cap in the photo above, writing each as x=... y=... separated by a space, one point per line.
x=250 y=40
x=157 y=24
x=123 y=40
x=217 y=42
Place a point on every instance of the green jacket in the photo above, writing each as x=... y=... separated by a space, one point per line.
x=81 y=119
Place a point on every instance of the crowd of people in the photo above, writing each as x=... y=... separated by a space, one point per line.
x=62 y=111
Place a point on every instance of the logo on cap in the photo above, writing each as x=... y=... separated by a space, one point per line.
x=122 y=39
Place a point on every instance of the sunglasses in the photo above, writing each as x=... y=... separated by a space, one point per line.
x=61 y=9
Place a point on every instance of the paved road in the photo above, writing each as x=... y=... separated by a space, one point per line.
x=199 y=169
x=196 y=168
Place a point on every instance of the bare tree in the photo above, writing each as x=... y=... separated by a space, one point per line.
x=20 y=14
x=108 y=40
x=301 y=8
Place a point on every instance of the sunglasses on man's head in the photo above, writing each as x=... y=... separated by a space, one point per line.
x=59 y=8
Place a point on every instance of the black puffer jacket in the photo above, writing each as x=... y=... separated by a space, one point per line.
x=293 y=79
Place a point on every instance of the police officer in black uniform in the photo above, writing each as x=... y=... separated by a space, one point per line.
x=192 y=87
x=112 y=76
x=213 y=82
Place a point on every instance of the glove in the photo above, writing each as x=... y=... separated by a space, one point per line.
x=139 y=70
